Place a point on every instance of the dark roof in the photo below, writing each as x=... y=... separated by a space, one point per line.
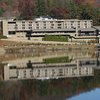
x=55 y=30
x=87 y=29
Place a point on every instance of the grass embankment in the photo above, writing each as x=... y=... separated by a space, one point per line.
x=3 y=37
x=55 y=38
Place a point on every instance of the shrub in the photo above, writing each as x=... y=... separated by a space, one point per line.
x=3 y=37
x=55 y=38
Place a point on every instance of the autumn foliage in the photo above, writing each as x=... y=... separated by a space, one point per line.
x=59 y=12
x=28 y=9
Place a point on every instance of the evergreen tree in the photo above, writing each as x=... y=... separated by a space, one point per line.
x=41 y=9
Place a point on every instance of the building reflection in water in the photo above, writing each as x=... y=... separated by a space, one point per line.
x=65 y=81
x=48 y=71
x=28 y=69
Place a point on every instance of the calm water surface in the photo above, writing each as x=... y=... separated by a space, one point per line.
x=90 y=95
x=53 y=75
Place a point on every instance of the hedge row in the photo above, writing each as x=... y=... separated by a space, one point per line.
x=55 y=38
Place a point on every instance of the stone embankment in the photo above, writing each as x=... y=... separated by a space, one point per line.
x=47 y=47
x=17 y=47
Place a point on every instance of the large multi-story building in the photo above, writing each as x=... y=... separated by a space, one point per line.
x=42 y=26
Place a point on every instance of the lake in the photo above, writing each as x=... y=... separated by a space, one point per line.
x=52 y=75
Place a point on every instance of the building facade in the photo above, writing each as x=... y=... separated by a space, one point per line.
x=41 y=27
x=46 y=71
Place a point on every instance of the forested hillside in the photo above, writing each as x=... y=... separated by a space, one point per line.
x=28 y=9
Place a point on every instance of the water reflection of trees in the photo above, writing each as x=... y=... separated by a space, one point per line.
x=58 y=89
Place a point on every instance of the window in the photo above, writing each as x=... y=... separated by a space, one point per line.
x=23 y=22
x=51 y=22
x=17 y=72
x=80 y=72
x=85 y=23
x=31 y=73
x=30 y=27
x=78 y=26
x=16 y=26
x=44 y=27
x=23 y=27
x=11 y=33
x=12 y=67
x=38 y=72
x=59 y=27
x=53 y=72
x=73 y=72
x=85 y=26
x=51 y=26
x=24 y=73
x=46 y=72
x=59 y=24
x=78 y=22
x=37 y=27
x=30 y=22
x=37 y=24
x=67 y=70
x=72 y=22
x=58 y=21
x=60 y=72
x=44 y=24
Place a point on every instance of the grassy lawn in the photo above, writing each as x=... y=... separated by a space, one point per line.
x=55 y=38
x=2 y=37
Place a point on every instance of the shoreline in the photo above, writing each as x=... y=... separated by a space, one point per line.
x=18 y=48
x=25 y=41
x=29 y=46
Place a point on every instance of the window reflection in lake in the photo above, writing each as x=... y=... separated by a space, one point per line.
x=59 y=76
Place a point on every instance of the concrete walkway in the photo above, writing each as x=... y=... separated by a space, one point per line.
x=38 y=41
